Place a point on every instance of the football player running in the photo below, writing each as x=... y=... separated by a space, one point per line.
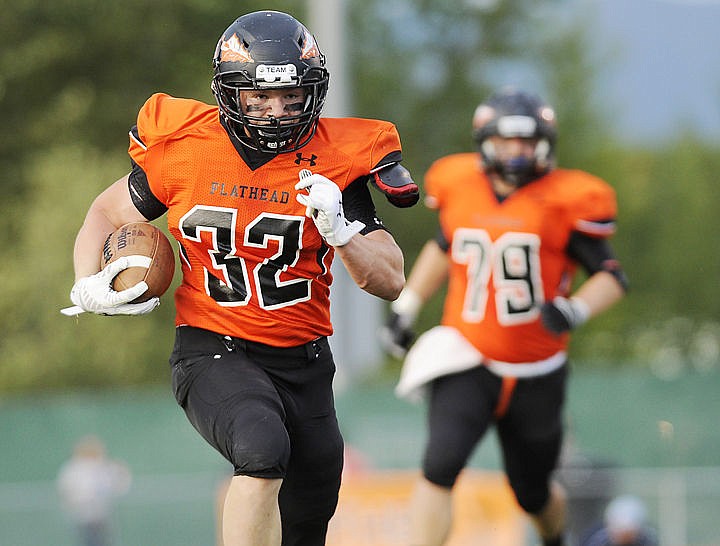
x=513 y=229
x=260 y=194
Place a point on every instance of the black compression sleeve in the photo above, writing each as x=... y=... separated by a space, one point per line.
x=142 y=197
x=595 y=255
x=442 y=241
x=358 y=205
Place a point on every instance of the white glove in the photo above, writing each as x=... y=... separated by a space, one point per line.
x=397 y=335
x=95 y=293
x=563 y=314
x=323 y=204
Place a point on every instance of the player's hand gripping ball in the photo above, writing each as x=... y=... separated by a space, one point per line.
x=141 y=239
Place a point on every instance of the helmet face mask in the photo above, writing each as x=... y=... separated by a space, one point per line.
x=514 y=114
x=269 y=50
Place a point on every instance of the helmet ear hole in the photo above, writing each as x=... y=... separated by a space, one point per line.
x=487 y=149
x=542 y=150
x=543 y=161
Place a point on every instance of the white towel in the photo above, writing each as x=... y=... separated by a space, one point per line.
x=441 y=350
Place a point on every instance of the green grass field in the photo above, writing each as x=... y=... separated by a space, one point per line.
x=630 y=421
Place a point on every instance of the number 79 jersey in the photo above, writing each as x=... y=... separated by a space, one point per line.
x=508 y=257
x=254 y=266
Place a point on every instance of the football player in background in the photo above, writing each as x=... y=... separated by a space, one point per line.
x=260 y=193
x=513 y=229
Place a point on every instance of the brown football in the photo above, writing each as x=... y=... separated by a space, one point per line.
x=141 y=239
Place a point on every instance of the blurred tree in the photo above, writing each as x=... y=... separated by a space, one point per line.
x=78 y=70
x=73 y=74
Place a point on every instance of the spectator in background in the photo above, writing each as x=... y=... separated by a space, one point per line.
x=88 y=484
x=624 y=524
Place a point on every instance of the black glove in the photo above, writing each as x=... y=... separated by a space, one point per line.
x=562 y=314
x=397 y=335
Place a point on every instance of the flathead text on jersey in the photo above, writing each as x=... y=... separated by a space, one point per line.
x=249 y=192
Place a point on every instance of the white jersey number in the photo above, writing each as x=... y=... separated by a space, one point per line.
x=508 y=267
x=229 y=282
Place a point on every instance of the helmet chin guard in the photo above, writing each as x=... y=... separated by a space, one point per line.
x=269 y=50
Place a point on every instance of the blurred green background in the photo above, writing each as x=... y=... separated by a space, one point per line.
x=72 y=77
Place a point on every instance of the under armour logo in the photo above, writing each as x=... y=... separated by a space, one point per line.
x=299 y=159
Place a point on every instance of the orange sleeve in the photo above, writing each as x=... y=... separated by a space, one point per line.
x=163 y=117
x=358 y=147
x=144 y=141
x=433 y=185
x=593 y=206
x=386 y=144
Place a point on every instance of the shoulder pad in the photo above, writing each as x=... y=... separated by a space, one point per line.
x=586 y=203
x=395 y=182
x=162 y=116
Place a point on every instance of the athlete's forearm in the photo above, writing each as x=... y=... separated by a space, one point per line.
x=600 y=292
x=111 y=209
x=429 y=271
x=375 y=263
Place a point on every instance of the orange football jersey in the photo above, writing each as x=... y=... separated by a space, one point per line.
x=254 y=266
x=507 y=258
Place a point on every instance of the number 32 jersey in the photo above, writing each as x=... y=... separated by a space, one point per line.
x=254 y=266
x=508 y=257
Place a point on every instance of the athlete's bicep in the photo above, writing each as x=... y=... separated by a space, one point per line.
x=116 y=205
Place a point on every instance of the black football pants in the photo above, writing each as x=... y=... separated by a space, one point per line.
x=270 y=412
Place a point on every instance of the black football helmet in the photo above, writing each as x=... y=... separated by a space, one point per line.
x=511 y=113
x=269 y=50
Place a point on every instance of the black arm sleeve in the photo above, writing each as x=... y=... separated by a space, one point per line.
x=442 y=241
x=142 y=197
x=358 y=205
x=595 y=255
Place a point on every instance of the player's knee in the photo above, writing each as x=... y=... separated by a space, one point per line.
x=262 y=449
x=441 y=472
x=532 y=498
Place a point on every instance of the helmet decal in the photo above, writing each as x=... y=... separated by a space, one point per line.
x=233 y=51
x=547 y=114
x=310 y=48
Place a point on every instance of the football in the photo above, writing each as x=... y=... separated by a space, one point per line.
x=141 y=239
